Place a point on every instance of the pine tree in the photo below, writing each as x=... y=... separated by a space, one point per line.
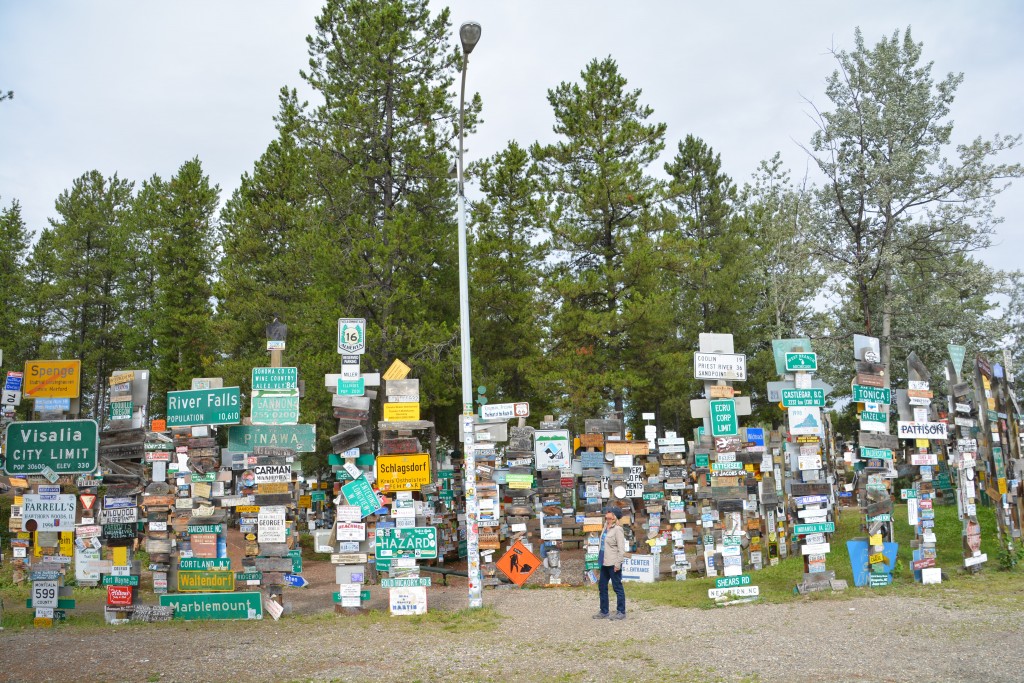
x=15 y=332
x=601 y=236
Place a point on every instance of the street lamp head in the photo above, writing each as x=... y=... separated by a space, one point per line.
x=469 y=34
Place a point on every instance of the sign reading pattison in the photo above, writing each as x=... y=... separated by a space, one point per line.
x=921 y=430
x=204 y=407
x=64 y=446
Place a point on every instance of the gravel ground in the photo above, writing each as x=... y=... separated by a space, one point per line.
x=538 y=635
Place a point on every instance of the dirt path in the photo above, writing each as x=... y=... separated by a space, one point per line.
x=538 y=635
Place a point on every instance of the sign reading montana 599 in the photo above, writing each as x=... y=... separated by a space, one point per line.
x=204 y=407
x=65 y=446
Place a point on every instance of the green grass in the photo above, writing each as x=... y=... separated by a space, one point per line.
x=777 y=583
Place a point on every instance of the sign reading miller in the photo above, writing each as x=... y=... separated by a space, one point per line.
x=66 y=447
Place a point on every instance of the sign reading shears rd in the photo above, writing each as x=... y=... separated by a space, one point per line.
x=732 y=366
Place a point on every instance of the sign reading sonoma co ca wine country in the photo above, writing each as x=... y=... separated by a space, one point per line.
x=204 y=407
x=65 y=446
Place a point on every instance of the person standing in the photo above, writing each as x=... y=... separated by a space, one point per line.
x=610 y=556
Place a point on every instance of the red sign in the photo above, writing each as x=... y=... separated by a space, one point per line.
x=119 y=596
x=918 y=565
x=88 y=500
x=518 y=563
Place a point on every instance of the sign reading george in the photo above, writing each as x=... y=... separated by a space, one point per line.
x=732 y=366
x=352 y=335
x=53 y=378
x=65 y=446
x=275 y=379
x=403 y=472
x=418 y=542
x=723 y=417
x=204 y=407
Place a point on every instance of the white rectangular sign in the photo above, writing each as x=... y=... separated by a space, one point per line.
x=272 y=474
x=737 y=591
x=51 y=513
x=921 y=430
x=504 y=411
x=730 y=366
x=270 y=524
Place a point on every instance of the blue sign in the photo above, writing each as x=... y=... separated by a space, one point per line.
x=295 y=581
x=755 y=435
x=859 y=555
x=52 y=405
x=13 y=382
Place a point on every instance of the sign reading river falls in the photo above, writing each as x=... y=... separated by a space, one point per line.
x=65 y=446
x=204 y=407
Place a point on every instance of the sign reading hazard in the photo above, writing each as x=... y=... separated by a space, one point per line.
x=52 y=378
x=406 y=472
x=518 y=563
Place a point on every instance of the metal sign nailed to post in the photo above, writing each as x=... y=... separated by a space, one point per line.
x=352 y=335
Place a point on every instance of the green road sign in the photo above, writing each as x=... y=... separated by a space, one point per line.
x=862 y=394
x=353 y=388
x=109 y=580
x=732 y=581
x=867 y=416
x=64 y=446
x=241 y=577
x=723 y=417
x=803 y=398
x=359 y=492
x=296 y=556
x=244 y=438
x=364 y=595
x=875 y=453
x=801 y=362
x=204 y=407
x=214 y=605
x=419 y=542
x=726 y=466
x=956 y=354
x=405 y=583
x=205 y=563
x=318 y=496
x=275 y=379
x=275 y=408
x=121 y=410
x=701 y=460
x=657 y=495
x=819 y=528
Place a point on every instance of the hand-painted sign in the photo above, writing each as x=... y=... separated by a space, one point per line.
x=204 y=407
x=64 y=446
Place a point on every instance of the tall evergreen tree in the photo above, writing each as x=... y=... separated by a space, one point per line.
x=183 y=246
x=85 y=260
x=15 y=332
x=507 y=255
x=893 y=201
x=596 y=180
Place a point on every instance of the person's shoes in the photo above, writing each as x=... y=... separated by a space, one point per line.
x=618 y=616
x=600 y=615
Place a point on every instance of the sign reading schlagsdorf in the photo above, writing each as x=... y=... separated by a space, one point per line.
x=204 y=407
x=403 y=472
x=64 y=446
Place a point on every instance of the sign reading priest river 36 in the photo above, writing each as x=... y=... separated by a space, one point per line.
x=65 y=446
x=204 y=407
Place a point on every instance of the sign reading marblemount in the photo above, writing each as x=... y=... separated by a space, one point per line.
x=204 y=407
x=65 y=446
x=215 y=605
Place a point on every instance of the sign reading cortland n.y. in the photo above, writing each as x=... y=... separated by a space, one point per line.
x=52 y=378
x=64 y=446
x=221 y=406
x=406 y=472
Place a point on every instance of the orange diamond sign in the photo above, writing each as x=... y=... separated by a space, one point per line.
x=518 y=564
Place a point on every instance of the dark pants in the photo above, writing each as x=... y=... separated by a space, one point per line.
x=602 y=587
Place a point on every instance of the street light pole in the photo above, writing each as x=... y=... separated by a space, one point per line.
x=469 y=34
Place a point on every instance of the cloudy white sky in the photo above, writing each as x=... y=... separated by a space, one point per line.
x=138 y=88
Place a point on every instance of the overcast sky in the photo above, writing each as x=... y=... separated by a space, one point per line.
x=138 y=88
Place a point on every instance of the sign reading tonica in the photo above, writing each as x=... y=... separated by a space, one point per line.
x=204 y=407
x=862 y=394
x=64 y=446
